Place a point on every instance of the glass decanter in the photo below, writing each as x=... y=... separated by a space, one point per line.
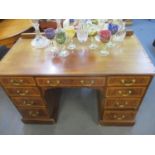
x=39 y=41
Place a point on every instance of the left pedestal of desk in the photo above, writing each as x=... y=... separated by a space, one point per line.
x=29 y=100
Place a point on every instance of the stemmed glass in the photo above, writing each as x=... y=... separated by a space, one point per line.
x=50 y=34
x=70 y=33
x=82 y=32
x=113 y=28
x=60 y=39
x=39 y=41
x=120 y=35
x=104 y=38
x=92 y=33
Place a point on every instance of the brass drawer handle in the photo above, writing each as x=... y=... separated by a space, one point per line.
x=33 y=113
x=28 y=103
x=16 y=82
x=128 y=93
x=87 y=83
x=53 y=83
x=22 y=93
x=119 y=117
x=128 y=82
x=121 y=105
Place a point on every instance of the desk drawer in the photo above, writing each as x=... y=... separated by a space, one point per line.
x=128 y=80
x=23 y=91
x=81 y=81
x=122 y=103
x=125 y=91
x=18 y=81
x=34 y=113
x=28 y=101
x=118 y=116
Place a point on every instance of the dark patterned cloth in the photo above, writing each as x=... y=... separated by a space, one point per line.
x=3 y=51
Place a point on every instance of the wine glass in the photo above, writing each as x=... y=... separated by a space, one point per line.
x=113 y=28
x=82 y=32
x=70 y=33
x=120 y=35
x=104 y=38
x=50 y=34
x=39 y=41
x=92 y=33
x=60 y=39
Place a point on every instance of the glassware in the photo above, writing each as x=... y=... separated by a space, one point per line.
x=70 y=33
x=50 y=34
x=60 y=39
x=105 y=38
x=120 y=35
x=39 y=41
x=92 y=33
x=82 y=32
x=113 y=29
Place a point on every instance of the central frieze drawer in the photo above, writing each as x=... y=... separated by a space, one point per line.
x=18 y=81
x=28 y=101
x=128 y=80
x=81 y=81
x=125 y=91
x=23 y=91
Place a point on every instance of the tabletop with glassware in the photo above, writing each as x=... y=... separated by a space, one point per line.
x=93 y=53
x=104 y=34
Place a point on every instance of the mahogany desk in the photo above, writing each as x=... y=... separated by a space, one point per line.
x=33 y=81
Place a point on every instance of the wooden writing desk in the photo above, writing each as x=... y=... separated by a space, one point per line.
x=33 y=81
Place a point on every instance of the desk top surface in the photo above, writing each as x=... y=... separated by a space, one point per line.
x=127 y=58
x=13 y=27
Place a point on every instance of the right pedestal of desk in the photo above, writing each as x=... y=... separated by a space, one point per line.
x=120 y=100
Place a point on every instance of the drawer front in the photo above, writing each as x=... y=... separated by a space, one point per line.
x=23 y=91
x=119 y=116
x=122 y=103
x=34 y=113
x=128 y=80
x=82 y=81
x=28 y=101
x=125 y=92
x=18 y=81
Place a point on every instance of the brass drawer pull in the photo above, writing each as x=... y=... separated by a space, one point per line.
x=119 y=117
x=33 y=113
x=87 y=83
x=128 y=93
x=53 y=83
x=16 y=82
x=22 y=93
x=128 y=82
x=28 y=103
x=121 y=105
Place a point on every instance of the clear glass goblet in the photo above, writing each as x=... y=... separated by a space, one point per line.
x=121 y=33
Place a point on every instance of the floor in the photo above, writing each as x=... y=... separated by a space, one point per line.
x=78 y=108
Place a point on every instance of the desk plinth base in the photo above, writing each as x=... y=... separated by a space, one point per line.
x=40 y=121
x=129 y=123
